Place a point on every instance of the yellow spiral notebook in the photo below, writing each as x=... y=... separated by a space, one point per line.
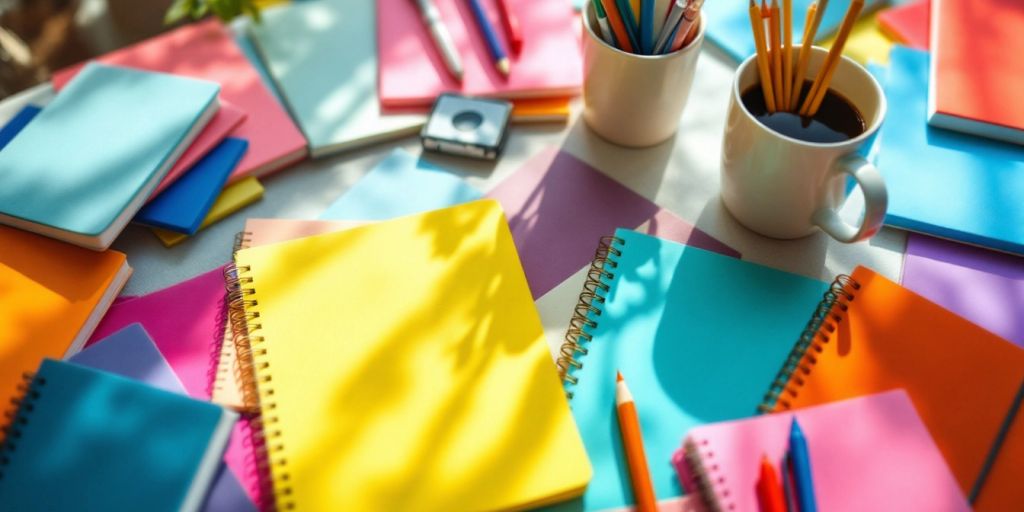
x=402 y=366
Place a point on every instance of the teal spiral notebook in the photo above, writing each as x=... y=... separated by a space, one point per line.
x=87 y=440
x=697 y=335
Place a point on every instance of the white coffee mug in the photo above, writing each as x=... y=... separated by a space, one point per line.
x=635 y=100
x=783 y=187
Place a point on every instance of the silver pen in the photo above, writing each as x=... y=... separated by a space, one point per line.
x=442 y=39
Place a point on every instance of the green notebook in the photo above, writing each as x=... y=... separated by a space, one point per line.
x=697 y=336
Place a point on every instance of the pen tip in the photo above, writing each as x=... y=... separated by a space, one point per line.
x=502 y=66
x=618 y=376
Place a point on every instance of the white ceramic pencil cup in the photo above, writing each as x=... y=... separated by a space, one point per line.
x=634 y=100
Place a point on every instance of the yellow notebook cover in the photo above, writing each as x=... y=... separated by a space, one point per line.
x=402 y=366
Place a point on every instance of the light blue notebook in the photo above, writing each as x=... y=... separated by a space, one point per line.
x=729 y=23
x=944 y=183
x=88 y=440
x=82 y=168
x=401 y=184
x=328 y=77
x=183 y=205
x=696 y=335
x=131 y=353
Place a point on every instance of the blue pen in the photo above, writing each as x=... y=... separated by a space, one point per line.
x=800 y=458
x=626 y=12
x=647 y=26
x=497 y=53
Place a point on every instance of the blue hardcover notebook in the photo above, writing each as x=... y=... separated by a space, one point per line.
x=944 y=183
x=17 y=123
x=131 y=353
x=183 y=205
x=696 y=334
x=401 y=184
x=82 y=168
x=86 y=440
x=729 y=23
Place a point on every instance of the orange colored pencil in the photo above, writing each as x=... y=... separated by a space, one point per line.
x=633 y=444
x=787 y=52
x=618 y=27
x=824 y=78
x=769 y=488
x=805 y=54
x=762 y=56
x=775 y=38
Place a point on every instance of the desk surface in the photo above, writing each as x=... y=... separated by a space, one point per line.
x=680 y=174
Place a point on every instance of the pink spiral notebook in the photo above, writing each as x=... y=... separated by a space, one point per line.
x=867 y=453
x=412 y=73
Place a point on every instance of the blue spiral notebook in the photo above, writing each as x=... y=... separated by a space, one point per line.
x=697 y=335
x=87 y=440
x=944 y=183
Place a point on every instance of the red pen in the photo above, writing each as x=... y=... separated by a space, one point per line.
x=769 y=489
x=511 y=23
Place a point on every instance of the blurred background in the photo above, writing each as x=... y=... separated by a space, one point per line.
x=40 y=36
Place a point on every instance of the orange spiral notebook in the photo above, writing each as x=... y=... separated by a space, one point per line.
x=871 y=335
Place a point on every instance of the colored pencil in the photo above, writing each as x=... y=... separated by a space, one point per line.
x=618 y=27
x=647 y=26
x=671 y=26
x=629 y=21
x=769 y=488
x=604 y=29
x=512 y=28
x=687 y=25
x=776 y=53
x=821 y=82
x=498 y=55
x=442 y=39
x=800 y=458
x=805 y=55
x=787 y=52
x=762 y=56
x=633 y=445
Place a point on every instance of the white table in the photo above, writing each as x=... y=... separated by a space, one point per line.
x=681 y=175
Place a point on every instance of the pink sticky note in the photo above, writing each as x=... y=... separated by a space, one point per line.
x=186 y=322
x=207 y=51
x=412 y=74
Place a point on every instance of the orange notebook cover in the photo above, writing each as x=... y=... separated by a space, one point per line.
x=871 y=335
x=977 y=71
x=52 y=296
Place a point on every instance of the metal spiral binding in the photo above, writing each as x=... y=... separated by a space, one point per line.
x=243 y=373
x=244 y=315
x=716 y=496
x=823 y=322
x=589 y=303
x=16 y=416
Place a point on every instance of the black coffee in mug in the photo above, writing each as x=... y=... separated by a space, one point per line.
x=837 y=120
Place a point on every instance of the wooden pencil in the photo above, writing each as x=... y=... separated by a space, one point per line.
x=787 y=53
x=775 y=37
x=805 y=54
x=820 y=87
x=618 y=27
x=633 y=445
x=762 y=56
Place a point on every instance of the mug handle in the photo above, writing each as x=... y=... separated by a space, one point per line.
x=876 y=200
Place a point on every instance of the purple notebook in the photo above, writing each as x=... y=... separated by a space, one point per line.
x=982 y=286
x=130 y=352
x=559 y=206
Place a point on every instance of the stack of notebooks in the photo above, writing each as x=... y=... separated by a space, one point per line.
x=364 y=73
